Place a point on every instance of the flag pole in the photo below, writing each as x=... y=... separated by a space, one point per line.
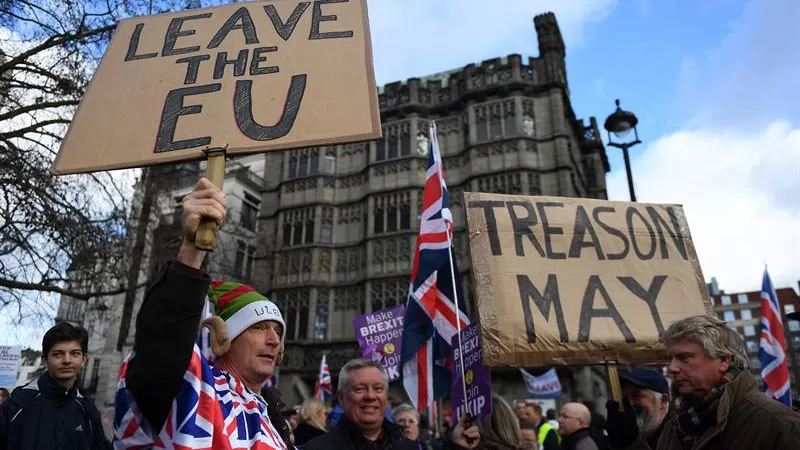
x=435 y=139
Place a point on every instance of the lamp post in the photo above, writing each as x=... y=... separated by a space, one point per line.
x=620 y=123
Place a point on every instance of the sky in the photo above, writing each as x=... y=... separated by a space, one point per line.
x=714 y=83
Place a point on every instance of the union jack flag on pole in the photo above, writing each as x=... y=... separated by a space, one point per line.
x=323 y=389
x=772 y=351
x=435 y=308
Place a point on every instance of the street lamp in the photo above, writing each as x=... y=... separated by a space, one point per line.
x=620 y=123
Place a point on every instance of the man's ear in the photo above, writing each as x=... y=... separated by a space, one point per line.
x=727 y=361
x=665 y=399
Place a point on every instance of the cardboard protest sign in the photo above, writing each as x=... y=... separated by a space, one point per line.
x=579 y=281
x=256 y=76
x=380 y=336
x=477 y=376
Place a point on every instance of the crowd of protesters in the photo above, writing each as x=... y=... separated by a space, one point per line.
x=204 y=350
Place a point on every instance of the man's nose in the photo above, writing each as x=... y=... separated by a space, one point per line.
x=370 y=394
x=272 y=338
x=673 y=366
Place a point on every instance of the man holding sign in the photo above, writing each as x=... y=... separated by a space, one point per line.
x=171 y=394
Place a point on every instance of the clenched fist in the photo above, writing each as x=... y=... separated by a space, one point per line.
x=206 y=202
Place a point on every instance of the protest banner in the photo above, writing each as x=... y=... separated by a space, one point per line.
x=380 y=336
x=248 y=77
x=477 y=376
x=579 y=281
x=546 y=385
x=10 y=359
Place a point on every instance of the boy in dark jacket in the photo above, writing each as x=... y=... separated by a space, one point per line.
x=51 y=413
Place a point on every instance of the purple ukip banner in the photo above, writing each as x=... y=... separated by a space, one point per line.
x=380 y=335
x=478 y=377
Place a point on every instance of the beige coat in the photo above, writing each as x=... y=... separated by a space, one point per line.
x=746 y=420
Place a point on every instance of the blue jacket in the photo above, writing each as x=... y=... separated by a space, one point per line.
x=42 y=415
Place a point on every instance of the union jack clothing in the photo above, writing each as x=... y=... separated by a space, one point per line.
x=212 y=410
x=170 y=395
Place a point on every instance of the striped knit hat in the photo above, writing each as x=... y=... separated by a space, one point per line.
x=240 y=306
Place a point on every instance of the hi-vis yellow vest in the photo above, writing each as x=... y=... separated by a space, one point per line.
x=544 y=429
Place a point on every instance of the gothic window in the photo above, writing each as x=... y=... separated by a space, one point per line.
x=245 y=258
x=304 y=162
x=249 y=217
x=389 y=292
x=326 y=230
x=294 y=305
x=347 y=304
x=534 y=184
x=506 y=183
x=298 y=227
x=392 y=212
x=321 y=318
x=74 y=311
x=287 y=234
x=589 y=172
x=313 y=162
x=396 y=141
x=495 y=120
x=379 y=211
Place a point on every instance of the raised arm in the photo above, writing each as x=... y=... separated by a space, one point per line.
x=168 y=322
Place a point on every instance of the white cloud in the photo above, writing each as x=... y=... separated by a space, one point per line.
x=735 y=165
x=413 y=38
x=740 y=193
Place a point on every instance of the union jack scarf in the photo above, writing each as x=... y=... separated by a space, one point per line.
x=212 y=410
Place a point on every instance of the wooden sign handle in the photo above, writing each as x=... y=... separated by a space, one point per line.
x=613 y=383
x=206 y=237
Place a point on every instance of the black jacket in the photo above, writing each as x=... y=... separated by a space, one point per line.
x=579 y=440
x=42 y=415
x=347 y=436
x=306 y=432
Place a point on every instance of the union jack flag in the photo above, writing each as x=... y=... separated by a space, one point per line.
x=430 y=320
x=323 y=389
x=772 y=351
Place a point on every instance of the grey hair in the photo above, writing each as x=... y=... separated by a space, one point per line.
x=405 y=408
x=658 y=396
x=356 y=364
x=711 y=333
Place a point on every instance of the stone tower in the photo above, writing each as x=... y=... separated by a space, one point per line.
x=338 y=223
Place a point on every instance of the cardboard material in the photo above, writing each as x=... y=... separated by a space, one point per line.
x=255 y=77
x=579 y=281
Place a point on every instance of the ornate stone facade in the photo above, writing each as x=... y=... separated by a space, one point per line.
x=340 y=231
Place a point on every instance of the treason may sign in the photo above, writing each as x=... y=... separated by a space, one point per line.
x=579 y=281
x=254 y=77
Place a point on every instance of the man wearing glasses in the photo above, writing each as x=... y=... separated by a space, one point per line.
x=573 y=425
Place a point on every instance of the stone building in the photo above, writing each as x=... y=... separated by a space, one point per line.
x=742 y=312
x=338 y=224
